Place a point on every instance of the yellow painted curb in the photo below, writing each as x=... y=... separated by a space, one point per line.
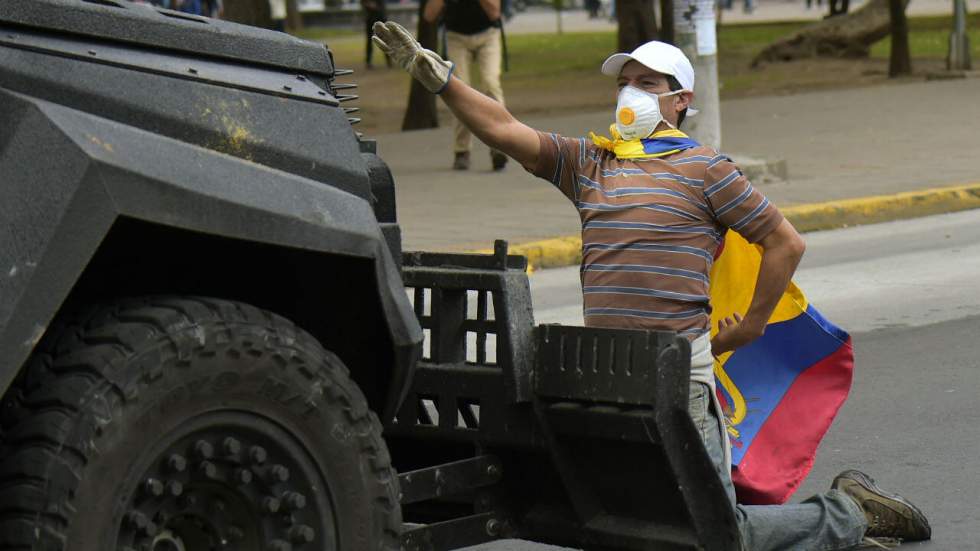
x=567 y=251
x=883 y=208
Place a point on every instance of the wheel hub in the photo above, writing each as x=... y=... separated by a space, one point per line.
x=231 y=481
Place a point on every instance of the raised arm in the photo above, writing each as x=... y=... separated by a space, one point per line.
x=492 y=123
x=487 y=119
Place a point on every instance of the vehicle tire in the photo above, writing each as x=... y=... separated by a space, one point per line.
x=191 y=424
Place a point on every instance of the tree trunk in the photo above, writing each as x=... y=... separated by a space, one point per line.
x=637 y=23
x=900 y=59
x=667 y=21
x=257 y=13
x=294 y=19
x=421 y=111
x=849 y=35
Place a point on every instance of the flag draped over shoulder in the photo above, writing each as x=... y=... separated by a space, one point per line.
x=781 y=392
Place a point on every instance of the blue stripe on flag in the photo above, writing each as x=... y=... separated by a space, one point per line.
x=764 y=370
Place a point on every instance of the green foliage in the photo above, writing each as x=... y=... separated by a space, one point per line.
x=929 y=37
x=327 y=35
x=554 y=54
x=738 y=41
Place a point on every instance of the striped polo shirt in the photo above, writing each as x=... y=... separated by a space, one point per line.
x=650 y=229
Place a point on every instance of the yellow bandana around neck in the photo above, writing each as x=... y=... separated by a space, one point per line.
x=633 y=149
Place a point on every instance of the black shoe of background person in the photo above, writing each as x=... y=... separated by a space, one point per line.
x=888 y=515
x=462 y=160
x=498 y=159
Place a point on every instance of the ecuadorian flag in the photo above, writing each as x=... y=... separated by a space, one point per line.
x=781 y=392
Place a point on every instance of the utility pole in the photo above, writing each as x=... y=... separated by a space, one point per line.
x=959 y=41
x=694 y=33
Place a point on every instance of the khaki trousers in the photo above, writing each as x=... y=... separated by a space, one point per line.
x=484 y=49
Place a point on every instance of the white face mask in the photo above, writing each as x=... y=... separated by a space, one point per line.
x=638 y=112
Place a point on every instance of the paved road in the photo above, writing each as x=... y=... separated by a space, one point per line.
x=909 y=295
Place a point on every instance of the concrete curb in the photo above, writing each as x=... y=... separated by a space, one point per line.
x=567 y=251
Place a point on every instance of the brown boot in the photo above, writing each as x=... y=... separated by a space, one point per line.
x=498 y=159
x=462 y=160
x=888 y=515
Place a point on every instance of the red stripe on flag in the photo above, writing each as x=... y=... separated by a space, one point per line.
x=782 y=452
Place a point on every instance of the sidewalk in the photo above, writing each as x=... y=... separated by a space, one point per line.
x=542 y=19
x=838 y=145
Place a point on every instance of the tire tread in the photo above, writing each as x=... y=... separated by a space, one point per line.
x=48 y=410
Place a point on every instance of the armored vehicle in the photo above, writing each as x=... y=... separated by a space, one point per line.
x=211 y=339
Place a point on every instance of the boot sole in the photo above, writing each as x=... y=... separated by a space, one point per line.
x=869 y=484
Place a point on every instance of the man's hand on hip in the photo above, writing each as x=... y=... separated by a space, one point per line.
x=734 y=332
x=424 y=65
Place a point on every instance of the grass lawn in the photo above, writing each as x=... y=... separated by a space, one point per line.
x=552 y=73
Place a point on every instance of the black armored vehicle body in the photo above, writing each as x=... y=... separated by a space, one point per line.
x=210 y=338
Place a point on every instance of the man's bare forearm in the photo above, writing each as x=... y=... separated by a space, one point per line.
x=781 y=254
x=492 y=123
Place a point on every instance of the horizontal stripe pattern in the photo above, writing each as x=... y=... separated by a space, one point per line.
x=646 y=226
x=651 y=228
x=641 y=268
x=642 y=291
x=629 y=206
x=649 y=247
x=638 y=313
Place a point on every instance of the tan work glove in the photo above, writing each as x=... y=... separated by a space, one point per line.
x=424 y=65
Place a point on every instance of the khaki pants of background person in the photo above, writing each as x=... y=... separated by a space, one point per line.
x=484 y=49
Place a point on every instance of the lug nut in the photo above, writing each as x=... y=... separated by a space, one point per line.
x=154 y=487
x=188 y=501
x=301 y=534
x=208 y=469
x=176 y=463
x=137 y=520
x=257 y=454
x=270 y=504
x=279 y=473
x=203 y=449
x=175 y=488
x=235 y=533
x=493 y=527
x=150 y=530
x=243 y=476
x=294 y=500
x=231 y=446
x=279 y=545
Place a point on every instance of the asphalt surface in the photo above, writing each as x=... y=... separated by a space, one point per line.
x=908 y=293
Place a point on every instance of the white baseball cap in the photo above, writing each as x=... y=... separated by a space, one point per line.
x=659 y=56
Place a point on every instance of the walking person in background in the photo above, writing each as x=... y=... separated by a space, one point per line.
x=188 y=6
x=593 y=8
x=214 y=9
x=374 y=10
x=473 y=32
